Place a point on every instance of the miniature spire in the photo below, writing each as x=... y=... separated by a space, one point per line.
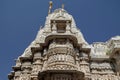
x=50 y=7
x=62 y=6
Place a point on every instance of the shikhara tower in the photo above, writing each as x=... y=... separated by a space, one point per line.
x=60 y=52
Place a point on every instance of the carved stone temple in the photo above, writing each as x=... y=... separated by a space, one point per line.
x=60 y=52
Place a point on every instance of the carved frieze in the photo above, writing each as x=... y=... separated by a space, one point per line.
x=62 y=67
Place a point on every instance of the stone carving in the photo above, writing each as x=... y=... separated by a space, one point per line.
x=61 y=58
x=36 y=69
x=66 y=52
x=25 y=77
x=62 y=67
x=52 y=45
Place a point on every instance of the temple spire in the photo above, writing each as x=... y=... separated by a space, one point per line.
x=62 y=6
x=50 y=7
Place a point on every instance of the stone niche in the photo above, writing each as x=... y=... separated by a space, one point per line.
x=60 y=25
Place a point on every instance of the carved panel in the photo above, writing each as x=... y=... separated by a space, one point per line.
x=62 y=67
x=61 y=58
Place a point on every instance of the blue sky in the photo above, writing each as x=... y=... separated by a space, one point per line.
x=20 y=21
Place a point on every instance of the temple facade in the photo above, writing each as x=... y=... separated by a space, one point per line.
x=60 y=52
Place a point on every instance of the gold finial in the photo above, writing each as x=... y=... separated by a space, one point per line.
x=62 y=6
x=50 y=4
x=50 y=7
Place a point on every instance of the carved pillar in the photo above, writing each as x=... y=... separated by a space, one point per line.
x=25 y=68
x=45 y=51
x=69 y=44
x=54 y=28
x=77 y=59
x=84 y=65
x=17 y=70
x=52 y=44
x=37 y=65
x=67 y=27
x=17 y=75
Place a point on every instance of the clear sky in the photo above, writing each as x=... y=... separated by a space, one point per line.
x=98 y=20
